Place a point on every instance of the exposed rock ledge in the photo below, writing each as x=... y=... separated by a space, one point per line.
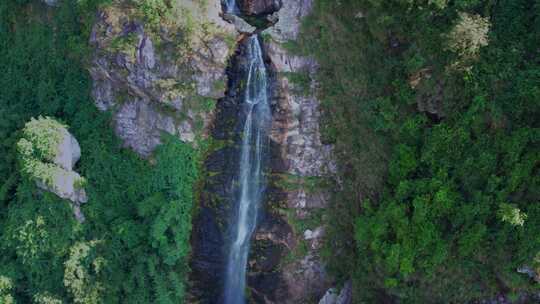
x=162 y=79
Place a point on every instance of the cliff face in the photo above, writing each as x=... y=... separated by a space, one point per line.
x=300 y=179
x=161 y=78
x=187 y=82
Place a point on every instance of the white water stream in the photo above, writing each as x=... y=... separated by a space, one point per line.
x=250 y=177
x=231 y=7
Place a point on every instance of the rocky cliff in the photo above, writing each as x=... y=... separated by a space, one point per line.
x=184 y=78
x=160 y=78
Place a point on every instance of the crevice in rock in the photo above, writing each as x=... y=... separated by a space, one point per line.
x=211 y=224
x=295 y=149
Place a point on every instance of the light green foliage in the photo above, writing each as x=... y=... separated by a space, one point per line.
x=39 y=146
x=511 y=214
x=126 y=44
x=32 y=238
x=44 y=135
x=82 y=271
x=46 y=298
x=153 y=11
x=468 y=35
x=5 y=290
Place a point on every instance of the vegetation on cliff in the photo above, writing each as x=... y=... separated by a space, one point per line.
x=433 y=107
x=134 y=244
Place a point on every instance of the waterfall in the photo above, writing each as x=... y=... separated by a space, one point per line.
x=231 y=7
x=250 y=178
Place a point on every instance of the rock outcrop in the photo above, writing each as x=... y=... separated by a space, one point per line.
x=259 y=7
x=48 y=153
x=289 y=18
x=306 y=162
x=160 y=78
x=343 y=297
x=66 y=183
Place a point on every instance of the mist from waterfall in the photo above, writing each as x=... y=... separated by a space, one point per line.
x=250 y=178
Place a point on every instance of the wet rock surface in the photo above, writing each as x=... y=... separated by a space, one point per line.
x=210 y=237
x=283 y=266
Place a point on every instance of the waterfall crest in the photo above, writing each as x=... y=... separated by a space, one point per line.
x=250 y=178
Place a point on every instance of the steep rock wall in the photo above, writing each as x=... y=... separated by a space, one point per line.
x=284 y=264
x=300 y=185
x=167 y=79
x=159 y=78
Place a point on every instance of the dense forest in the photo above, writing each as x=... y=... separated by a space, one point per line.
x=132 y=247
x=433 y=107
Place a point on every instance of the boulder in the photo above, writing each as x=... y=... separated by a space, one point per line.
x=259 y=7
x=240 y=24
x=48 y=153
x=330 y=297
x=65 y=186
x=314 y=234
x=529 y=271
x=69 y=151
x=343 y=297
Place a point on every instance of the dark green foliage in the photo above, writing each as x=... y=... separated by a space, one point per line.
x=138 y=217
x=425 y=195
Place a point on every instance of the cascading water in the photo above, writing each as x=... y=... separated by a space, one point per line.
x=230 y=7
x=250 y=179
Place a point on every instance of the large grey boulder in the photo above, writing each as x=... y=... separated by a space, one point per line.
x=65 y=185
x=48 y=154
x=239 y=24
x=69 y=151
x=330 y=297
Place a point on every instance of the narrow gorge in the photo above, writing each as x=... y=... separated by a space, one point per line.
x=258 y=230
